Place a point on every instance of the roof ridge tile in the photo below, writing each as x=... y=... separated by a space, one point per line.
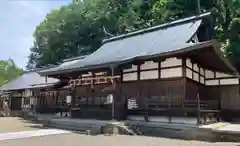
x=157 y=27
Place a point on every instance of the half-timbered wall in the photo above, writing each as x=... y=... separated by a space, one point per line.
x=169 y=68
x=172 y=67
x=218 y=85
x=208 y=77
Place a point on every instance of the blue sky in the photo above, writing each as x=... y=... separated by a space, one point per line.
x=18 y=19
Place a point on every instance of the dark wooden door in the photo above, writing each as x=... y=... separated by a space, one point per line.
x=16 y=103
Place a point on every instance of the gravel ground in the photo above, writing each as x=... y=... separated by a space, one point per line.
x=14 y=124
x=9 y=124
x=100 y=140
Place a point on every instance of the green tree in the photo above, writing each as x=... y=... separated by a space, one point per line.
x=79 y=28
x=233 y=42
x=8 y=71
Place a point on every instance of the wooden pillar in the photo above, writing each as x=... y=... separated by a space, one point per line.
x=73 y=100
x=114 y=92
x=169 y=105
x=92 y=88
x=198 y=109
x=138 y=99
x=184 y=81
x=57 y=96
x=159 y=69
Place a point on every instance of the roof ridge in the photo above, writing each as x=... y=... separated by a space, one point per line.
x=157 y=27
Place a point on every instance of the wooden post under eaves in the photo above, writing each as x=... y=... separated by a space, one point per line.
x=92 y=88
x=169 y=105
x=113 y=80
x=184 y=82
x=198 y=109
x=73 y=99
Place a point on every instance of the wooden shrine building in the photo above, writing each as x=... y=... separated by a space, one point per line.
x=173 y=72
x=23 y=92
x=55 y=99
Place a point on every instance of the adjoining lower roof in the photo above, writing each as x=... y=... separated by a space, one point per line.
x=155 y=40
x=29 y=80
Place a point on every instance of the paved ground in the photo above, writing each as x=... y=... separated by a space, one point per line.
x=14 y=124
x=84 y=140
x=73 y=139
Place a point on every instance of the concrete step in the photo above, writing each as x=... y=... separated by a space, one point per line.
x=82 y=128
x=92 y=127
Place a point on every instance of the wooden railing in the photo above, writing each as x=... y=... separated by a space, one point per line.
x=155 y=107
x=211 y=104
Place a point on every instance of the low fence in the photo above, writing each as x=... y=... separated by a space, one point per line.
x=186 y=108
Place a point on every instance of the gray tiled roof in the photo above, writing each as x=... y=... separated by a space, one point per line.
x=66 y=63
x=155 y=40
x=28 y=80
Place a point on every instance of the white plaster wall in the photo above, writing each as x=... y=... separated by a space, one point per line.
x=211 y=82
x=189 y=73
x=209 y=74
x=201 y=71
x=134 y=68
x=202 y=79
x=222 y=75
x=195 y=67
x=153 y=74
x=130 y=76
x=195 y=77
x=189 y=63
x=149 y=65
x=171 y=72
x=171 y=62
x=229 y=81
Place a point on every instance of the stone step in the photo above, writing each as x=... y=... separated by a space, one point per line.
x=87 y=129
x=93 y=128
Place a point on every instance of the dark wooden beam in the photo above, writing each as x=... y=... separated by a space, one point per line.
x=159 y=70
x=159 y=59
x=192 y=69
x=138 y=72
x=126 y=66
x=138 y=62
x=184 y=82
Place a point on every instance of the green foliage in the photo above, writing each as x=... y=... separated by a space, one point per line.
x=79 y=28
x=233 y=47
x=8 y=71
